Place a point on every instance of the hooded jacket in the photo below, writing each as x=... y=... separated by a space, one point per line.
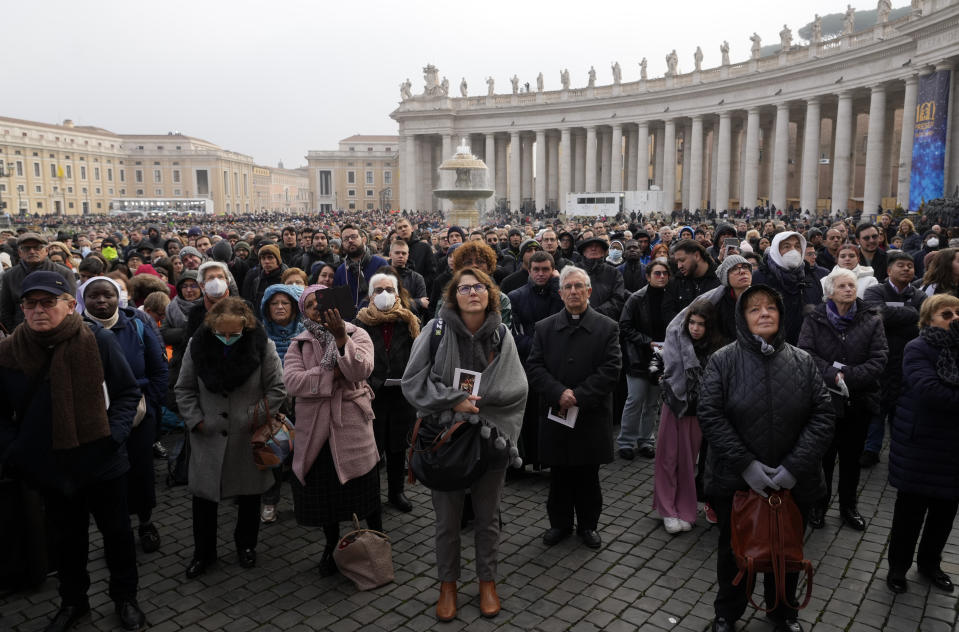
x=801 y=291
x=772 y=408
x=281 y=335
x=864 y=280
x=722 y=230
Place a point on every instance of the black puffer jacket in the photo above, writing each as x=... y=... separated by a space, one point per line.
x=609 y=293
x=800 y=289
x=774 y=408
x=901 y=323
x=862 y=348
x=639 y=326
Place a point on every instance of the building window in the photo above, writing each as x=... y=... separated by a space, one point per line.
x=388 y=178
x=96 y=173
x=38 y=189
x=352 y=206
x=97 y=190
x=157 y=176
x=83 y=172
x=70 y=205
x=369 y=193
x=351 y=177
x=123 y=175
x=387 y=149
x=69 y=172
x=69 y=189
x=202 y=182
x=123 y=191
x=369 y=206
x=109 y=191
x=236 y=184
x=139 y=191
x=226 y=183
x=39 y=204
x=326 y=183
x=369 y=149
x=158 y=192
x=326 y=208
x=36 y=170
x=176 y=176
x=177 y=192
x=20 y=167
x=351 y=193
x=138 y=176
x=245 y=185
x=369 y=177
x=369 y=164
x=53 y=170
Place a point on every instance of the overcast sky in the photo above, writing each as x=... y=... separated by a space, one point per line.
x=274 y=79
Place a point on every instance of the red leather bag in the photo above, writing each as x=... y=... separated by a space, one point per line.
x=766 y=535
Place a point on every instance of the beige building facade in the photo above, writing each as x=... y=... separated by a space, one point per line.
x=362 y=173
x=74 y=170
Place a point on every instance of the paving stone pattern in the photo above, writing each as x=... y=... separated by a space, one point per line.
x=641 y=579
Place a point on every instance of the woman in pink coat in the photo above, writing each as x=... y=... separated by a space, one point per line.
x=335 y=459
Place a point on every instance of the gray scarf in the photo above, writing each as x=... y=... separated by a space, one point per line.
x=321 y=333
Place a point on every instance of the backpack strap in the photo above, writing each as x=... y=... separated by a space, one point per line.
x=139 y=326
x=439 y=329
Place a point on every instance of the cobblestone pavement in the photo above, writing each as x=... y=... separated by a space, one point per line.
x=642 y=578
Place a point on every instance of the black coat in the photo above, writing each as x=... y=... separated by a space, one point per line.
x=901 y=323
x=878 y=264
x=682 y=291
x=532 y=304
x=925 y=435
x=773 y=408
x=422 y=260
x=255 y=285
x=637 y=330
x=392 y=363
x=10 y=313
x=292 y=257
x=862 y=348
x=609 y=293
x=514 y=281
x=586 y=359
x=800 y=289
x=634 y=275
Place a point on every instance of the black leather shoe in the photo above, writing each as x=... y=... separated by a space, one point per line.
x=401 y=502
x=159 y=452
x=591 y=538
x=197 y=567
x=627 y=453
x=149 y=538
x=789 y=624
x=67 y=617
x=852 y=519
x=131 y=617
x=247 y=558
x=647 y=452
x=554 y=535
x=723 y=625
x=327 y=565
x=897 y=585
x=939 y=579
x=817 y=518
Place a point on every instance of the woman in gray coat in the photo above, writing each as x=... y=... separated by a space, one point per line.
x=229 y=369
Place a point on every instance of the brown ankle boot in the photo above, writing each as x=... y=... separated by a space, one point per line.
x=489 y=600
x=446 y=606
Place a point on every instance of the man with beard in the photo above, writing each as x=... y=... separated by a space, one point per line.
x=632 y=268
x=421 y=257
x=697 y=275
x=358 y=265
x=290 y=252
x=319 y=251
x=608 y=293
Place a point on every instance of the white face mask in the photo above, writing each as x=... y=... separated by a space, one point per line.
x=792 y=259
x=215 y=288
x=933 y=242
x=384 y=301
x=124 y=298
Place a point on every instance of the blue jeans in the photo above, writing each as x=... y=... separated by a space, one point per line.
x=877 y=431
x=639 y=414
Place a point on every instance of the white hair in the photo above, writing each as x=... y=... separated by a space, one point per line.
x=829 y=281
x=571 y=269
x=379 y=276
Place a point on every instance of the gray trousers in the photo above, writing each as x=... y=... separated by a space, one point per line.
x=485 y=494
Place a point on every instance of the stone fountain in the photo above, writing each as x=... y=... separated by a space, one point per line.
x=464 y=181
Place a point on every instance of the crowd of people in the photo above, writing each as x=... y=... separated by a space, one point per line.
x=737 y=352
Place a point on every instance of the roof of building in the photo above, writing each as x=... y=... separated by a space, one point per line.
x=357 y=138
x=77 y=128
x=165 y=137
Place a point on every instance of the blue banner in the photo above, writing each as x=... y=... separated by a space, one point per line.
x=926 y=180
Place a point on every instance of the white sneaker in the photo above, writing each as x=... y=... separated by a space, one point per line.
x=685 y=526
x=672 y=525
x=268 y=513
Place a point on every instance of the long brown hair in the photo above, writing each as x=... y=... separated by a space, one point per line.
x=940 y=271
x=449 y=292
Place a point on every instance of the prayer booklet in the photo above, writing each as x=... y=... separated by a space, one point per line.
x=566 y=417
x=468 y=381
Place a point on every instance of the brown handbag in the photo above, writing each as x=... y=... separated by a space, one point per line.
x=767 y=537
x=272 y=441
x=365 y=557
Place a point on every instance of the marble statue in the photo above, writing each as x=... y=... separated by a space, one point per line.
x=445 y=87
x=698 y=58
x=785 y=38
x=564 y=78
x=539 y=82
x=817 y=29
x=463 y=88
x=617 y=73
x=405 y=90
x=490 y=82
x=849 y=21
x=672 y=64
x=592 y=77
x=724 y=50
x=432 y=86
x=642 y=69
x=515 y=82
x=757 y=44
x=883 y=10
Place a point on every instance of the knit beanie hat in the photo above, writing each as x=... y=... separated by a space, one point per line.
x=222 y=251
x=728 y=264
x=190 y=250
x=271 y=249
x=456 y=229
x=242 y=245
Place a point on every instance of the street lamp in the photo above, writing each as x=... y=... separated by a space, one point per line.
x=6 y=173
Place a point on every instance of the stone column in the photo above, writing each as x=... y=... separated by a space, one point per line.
x=872 y=193
x=684 y=183
x=502 y=171
x=580 y=172
x=527 y=167
x=490 y=160
x=714 y=163
x=696 y=164
x=642 y=157
x=448 y=149
x=515 y=173
x=629 y=165
x=565 y=183
x=905 y=144
x=722 y=167
x=541 y=169
x=751 y=161
x=841 y=154
x=591 y=159
x=669 y=166
x=809 y=182
x=781 y=157
x=658 y=158
x=616 y=159
x=552 y=167
x=409 y=170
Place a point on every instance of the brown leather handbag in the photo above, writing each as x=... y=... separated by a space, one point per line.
x=365 y=557
x=272 y=441
x=767 y=537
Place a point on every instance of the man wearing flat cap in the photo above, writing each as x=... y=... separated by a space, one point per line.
x=32 y=249
x=67 y=402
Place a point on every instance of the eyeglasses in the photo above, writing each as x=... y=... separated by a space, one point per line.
x=947 y=314
x=388 y=290
x=569 y=287
x=45 y=303
x=26 y=248
x=465 y=290
x=742 y=267
x=869 y=237
x=351 y=237
x=659 y=273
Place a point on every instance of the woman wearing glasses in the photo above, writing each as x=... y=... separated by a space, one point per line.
x=472 y=337
x=922 y=452
x=393 y=328
x=334 y=464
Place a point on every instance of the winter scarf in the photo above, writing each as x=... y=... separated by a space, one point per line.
x=840 y=323
x=948 y=344
x=76 y=377
x=372 y=316
x=224 y=368
x=321 y=333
